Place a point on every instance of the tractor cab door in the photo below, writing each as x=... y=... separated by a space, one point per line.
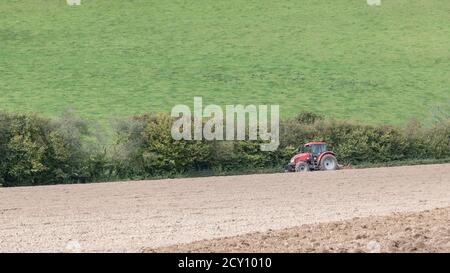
x=318 y=149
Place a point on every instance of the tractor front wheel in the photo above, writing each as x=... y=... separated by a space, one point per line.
x=328 y=163
x=302 y=167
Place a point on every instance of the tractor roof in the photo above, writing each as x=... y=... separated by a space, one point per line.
x=315 y=143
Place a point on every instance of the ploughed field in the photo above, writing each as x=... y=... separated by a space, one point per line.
x=143 y=215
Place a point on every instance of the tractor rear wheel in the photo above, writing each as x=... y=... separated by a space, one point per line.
x=302 y=167
x=328 y=163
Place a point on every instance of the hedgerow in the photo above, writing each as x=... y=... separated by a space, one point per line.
x=37 y=151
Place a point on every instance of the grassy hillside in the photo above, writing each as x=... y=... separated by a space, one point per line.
x=117 y=58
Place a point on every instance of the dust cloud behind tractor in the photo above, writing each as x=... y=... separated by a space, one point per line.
x=374 y=2
x=73 y=2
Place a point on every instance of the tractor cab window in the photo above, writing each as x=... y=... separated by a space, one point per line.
x=305 y=149
x=318 y=149
x=315 y=149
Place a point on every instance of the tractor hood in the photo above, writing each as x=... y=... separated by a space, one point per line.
x=300 y=157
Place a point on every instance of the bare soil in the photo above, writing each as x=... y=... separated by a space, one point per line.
x=137 y=215
x=427 y=231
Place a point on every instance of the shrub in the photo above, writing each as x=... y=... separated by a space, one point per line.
x=144 y=147
x=38 y=151
x=308 y=117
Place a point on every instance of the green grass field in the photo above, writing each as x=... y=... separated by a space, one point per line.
x=115 y=58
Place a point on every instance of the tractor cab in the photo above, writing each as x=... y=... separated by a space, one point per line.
x=312 y=156
x=313 y=148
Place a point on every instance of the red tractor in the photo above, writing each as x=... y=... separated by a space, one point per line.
x=313 y=156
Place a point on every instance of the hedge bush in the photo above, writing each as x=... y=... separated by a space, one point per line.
x=38 y=151
x=144 y=148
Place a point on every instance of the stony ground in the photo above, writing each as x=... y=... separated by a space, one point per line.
x=132 y=216
x=427 y=231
